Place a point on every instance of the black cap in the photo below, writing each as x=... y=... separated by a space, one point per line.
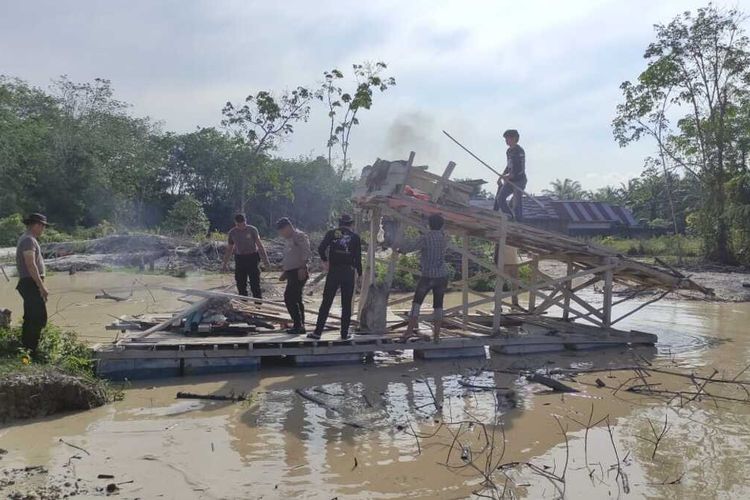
x=283 y=222
x=36 y=218
x=346 y=220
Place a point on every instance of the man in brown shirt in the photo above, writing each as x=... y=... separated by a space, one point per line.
x=30 y=269
x=245 y=243
x=297 y=254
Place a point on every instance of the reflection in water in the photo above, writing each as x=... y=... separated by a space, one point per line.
x=281 y=445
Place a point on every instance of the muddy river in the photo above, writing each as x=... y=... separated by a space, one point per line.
x=397 y=428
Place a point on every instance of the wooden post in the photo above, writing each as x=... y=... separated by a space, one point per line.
x=440 y=187
x=534 y=278
x=568 y=287
x=398 y=234
x=607 y=305
x=368 y=276
x=465 y=278
x=500 y=263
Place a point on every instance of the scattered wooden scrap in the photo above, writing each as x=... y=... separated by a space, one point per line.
x=553 y=384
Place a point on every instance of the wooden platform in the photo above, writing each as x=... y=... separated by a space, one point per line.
x=166 y=354
x=394 y=199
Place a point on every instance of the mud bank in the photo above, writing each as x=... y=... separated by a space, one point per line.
x=34 y=393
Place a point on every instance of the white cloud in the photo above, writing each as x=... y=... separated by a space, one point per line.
x=548 y=68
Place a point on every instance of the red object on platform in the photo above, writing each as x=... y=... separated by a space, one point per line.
x=420 y=195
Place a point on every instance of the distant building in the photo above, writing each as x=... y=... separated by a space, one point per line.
x=575 y=218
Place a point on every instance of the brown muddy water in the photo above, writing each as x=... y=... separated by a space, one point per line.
x=402 y=428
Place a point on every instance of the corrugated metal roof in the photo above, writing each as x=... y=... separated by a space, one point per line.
x=594 y=212
x=578 y=212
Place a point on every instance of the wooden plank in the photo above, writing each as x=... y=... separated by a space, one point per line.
x=178 y=317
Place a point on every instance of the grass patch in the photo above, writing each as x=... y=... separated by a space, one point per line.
x=667 y=247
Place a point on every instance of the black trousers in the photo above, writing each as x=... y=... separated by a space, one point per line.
x=34 y=313
x=293 y=297
x=246 y=268
x=436 y=285
x=501 y=201
x=338 y=277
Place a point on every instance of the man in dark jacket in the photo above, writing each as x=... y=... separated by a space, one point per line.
x=341 y=253
x=515 y=173
x=30 y=269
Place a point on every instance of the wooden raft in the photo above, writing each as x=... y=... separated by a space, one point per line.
x=393 y=199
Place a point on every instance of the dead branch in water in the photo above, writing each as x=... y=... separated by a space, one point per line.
x=620 y=473
x=657 y=435
x=74 y=446
x=105 y=295
x=438 y=406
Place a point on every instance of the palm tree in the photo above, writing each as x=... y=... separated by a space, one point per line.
x=566 y=189
x=608 y=194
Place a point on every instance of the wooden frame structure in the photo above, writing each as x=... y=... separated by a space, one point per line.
x=408 y=195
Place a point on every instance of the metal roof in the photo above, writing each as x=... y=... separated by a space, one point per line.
x=593 y=212
x=574 y=211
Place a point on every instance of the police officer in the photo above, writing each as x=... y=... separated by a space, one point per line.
x=341 y=253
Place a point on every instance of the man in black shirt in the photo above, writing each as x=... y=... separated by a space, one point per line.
x=515 y=172
x=341 y=253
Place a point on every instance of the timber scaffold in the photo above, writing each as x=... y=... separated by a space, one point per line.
x=552 y=308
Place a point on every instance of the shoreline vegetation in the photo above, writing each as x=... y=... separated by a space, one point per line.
x=59 y=378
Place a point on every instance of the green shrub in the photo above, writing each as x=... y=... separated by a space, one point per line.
x=11 y=227
x=403 y=280
x=58 y=347
x=104 y=228
x=53 y=235
x=187 y=218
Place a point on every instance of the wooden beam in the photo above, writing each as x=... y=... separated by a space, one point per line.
x=465 y=278
x=568 y=286
x=440 y=187
x=534 y=264
x=641 y=306
x=499 y=263
x=607 y=306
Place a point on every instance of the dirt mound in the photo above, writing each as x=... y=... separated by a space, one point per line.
x=45 y=392
x=115 y=244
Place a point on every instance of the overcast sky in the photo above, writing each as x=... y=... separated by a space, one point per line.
x=548 y=68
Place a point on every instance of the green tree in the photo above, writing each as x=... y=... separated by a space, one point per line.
x=700 y=66
x=566 y=189
x=262 y=122
x=609 y=194
x=344 y=107
x=187 y=218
